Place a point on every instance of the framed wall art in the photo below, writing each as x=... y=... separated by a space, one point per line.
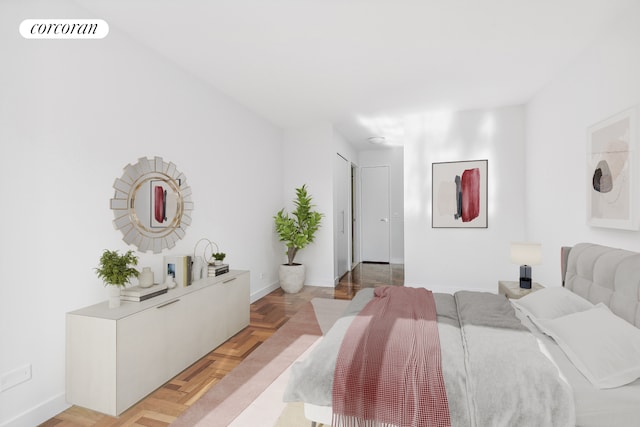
x=178 y=267
x=612 y=172
x=164 y=203
x=459 y=194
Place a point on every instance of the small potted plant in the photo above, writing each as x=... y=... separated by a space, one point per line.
x=296 y=231
x=116 y=270
x=218 y=257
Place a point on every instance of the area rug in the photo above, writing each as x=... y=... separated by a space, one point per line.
x=292 y=416
x=254 y=387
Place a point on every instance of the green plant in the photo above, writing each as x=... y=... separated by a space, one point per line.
x=115 y=269
x=219 y=256
x=298 y=230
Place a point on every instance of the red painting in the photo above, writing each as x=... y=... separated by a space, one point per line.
x=459 y=196
x=470 y=194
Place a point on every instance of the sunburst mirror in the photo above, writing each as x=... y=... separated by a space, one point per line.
x=152 y=204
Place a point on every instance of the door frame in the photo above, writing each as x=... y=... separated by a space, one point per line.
x=342 y=187
x=355 y=216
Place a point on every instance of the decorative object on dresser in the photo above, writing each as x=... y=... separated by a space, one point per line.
x=115 y=271
x=152 y=204
x=296 y=231
x=214 y=270
x=512 y=289
x=459 y=194
x=145 y=280
x=116 y=357
x=218 y=257
x=526 y=254
x=139 y=293
x=170 y=281
x=199 y=263
x=178 y=267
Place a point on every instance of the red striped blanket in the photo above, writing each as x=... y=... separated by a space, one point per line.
x=388 y=370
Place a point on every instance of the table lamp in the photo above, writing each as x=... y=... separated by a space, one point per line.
x=526 y=254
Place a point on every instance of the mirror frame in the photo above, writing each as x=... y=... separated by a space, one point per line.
x=123 y=205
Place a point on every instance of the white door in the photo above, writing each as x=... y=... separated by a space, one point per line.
x=375 y=213
x=342 y=215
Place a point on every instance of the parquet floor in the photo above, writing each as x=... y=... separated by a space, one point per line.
x=268 y=314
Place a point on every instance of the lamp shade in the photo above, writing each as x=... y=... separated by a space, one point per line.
x=526 y=253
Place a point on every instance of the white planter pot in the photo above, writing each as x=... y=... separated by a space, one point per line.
x=114 y=296
x=292 y=278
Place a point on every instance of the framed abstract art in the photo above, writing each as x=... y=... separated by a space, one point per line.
x=612 y=172
x=459 y=194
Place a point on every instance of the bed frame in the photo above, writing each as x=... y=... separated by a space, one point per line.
x=318 y=414
x=604 y=274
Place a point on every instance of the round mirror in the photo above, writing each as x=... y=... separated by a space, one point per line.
x=152 y=204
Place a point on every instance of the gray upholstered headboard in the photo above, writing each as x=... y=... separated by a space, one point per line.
x=603 y=274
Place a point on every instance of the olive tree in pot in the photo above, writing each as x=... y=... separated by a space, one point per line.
x=296 y=231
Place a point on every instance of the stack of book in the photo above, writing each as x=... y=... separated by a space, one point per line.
x=216 y=270
x=137 y=294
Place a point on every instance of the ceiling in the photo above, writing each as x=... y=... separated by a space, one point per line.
x=364 y=65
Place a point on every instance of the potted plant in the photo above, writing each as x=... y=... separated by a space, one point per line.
x=296 y=231
x=116 y=270
x=218 y=257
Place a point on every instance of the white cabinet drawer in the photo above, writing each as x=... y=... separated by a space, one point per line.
x=141 y=355
x=237 y=296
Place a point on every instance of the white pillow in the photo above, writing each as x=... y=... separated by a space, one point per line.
x=603 y=346
x=550 y=303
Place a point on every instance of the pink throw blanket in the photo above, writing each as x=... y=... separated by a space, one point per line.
x=388 y=370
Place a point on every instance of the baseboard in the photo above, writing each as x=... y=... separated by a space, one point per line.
x=41 y=413
x=264 y=291
x=323 y=282
x=268 y=289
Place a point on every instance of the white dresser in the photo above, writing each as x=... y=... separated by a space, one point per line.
x=115 y=357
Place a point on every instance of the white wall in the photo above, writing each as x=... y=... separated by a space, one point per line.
x=452 y=259
x=72 y=115
x=394 y=158
x=308 y=159
x=601 y=82
x=344 y=147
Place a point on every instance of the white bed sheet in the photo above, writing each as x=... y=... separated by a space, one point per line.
x=616 y=407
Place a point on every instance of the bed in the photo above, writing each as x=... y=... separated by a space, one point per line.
x=517 y=374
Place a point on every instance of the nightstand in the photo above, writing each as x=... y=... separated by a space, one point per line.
x=513 y=290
